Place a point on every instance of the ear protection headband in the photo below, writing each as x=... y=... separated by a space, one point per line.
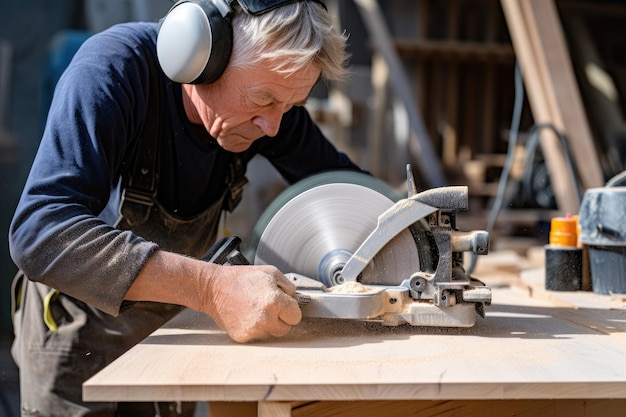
x=195 y=38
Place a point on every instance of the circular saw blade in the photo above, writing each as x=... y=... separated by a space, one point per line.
x=313 y=230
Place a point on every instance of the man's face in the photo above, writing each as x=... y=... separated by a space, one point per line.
x=247 y=104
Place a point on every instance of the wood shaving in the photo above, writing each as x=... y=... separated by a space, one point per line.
x=350 y=287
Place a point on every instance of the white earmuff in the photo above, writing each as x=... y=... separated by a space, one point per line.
x=194 y=42
x=184 y=43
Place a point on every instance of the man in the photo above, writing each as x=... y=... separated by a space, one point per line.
x=123 y=137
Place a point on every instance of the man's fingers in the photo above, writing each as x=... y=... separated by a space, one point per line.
x=273 y=312
x=279 y=328
x=289 y=315
x=290 y=312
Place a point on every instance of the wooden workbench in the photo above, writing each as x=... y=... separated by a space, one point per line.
x=566 y=357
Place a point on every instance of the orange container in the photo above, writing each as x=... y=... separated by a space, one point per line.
x=563 y=231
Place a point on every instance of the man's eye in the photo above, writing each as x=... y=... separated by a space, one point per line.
x=260 y=103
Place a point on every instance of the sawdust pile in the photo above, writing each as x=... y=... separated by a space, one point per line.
x=350 y=287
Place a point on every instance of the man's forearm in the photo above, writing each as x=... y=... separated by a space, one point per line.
x=249 y=301
x=170 y=278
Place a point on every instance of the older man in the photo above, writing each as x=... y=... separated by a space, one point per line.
x=141 y=154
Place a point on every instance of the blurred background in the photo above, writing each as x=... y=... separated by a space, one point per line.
x=521 y=100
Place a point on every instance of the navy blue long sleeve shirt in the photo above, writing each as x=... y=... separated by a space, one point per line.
x=62 y=232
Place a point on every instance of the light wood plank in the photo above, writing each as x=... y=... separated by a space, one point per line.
x=526 y=348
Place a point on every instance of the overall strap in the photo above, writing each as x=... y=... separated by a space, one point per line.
x=235 y=182
x=140 y=191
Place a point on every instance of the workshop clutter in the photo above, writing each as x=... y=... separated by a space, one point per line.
x=603 y=231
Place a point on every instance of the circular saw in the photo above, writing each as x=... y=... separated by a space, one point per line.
x=314 y=227
x=357 y=250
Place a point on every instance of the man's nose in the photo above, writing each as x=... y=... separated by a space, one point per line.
x=269 y=121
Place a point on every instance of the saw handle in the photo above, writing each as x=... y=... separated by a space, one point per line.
x=226 y=252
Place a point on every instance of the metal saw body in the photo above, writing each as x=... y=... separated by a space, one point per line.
x=355 y=250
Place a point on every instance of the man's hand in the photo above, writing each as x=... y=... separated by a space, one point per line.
x=251 y=302
x=248 y=302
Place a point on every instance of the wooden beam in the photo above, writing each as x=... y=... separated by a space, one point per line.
x=274 y=409
x=454 y=50
x=553 y=94
x=466 y=408
x=420 y=142
x=376 y=123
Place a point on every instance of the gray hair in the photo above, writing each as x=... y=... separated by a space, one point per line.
x=290 y=38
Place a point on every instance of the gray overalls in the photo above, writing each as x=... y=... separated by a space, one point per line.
x=55 y=362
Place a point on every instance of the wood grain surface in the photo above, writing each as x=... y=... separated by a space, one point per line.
x=526 y=348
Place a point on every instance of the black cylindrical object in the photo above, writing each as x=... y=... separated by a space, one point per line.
x=564 y=265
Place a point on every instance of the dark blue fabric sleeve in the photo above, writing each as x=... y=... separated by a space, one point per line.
x=56 y=236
